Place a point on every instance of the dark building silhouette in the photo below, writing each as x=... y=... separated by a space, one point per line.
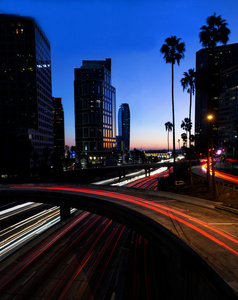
x=58 y=117
x=223 y=101
x=95 y=123
x=123 y=139
x=26 y=110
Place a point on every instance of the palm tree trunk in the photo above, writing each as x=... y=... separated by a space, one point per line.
x=173 y=122
x=190 y=154
x=168 y=139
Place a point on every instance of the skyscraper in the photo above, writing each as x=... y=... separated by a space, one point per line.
x=124 y=128
x=95 y=123
x=58 y=114
x=26 y=110
x=224 y=104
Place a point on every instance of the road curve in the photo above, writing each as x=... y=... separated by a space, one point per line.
x=198 y=232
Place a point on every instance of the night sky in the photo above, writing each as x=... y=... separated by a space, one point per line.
x=131 y=33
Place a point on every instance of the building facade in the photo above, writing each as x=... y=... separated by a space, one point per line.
x=58 y=117
x=123 y=139
x=95 y=122
x=223 y=102
x=26 y=110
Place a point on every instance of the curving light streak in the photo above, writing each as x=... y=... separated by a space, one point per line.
x=145 y=203
x=225 y=176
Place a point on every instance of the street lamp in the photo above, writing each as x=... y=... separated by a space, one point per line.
x=215 y=193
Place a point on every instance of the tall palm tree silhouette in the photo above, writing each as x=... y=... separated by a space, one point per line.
x=188 y=82
x=173 y=51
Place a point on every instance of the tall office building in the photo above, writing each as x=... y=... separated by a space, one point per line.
x=95 y=122
x=26 y=110
x=123 y=138
x=58 y=117
x=224 y=105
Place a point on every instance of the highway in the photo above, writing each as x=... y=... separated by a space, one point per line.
x=210 y=233
x=94 y=257
x=21 y=222
x=89 y=258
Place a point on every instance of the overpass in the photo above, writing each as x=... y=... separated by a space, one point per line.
x=96 y=174
x=198 y=245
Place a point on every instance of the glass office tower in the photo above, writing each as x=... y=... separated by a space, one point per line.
x=26 y=109
x=124 y=128
x=95 y=124
x=58 y=116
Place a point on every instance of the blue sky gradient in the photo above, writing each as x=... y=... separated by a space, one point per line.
x=131 y=33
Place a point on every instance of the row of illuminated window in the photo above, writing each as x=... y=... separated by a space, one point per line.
x=88 y=132
x=96 y=146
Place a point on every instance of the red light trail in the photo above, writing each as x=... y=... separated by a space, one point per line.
x=161 y=209
x=222 y=175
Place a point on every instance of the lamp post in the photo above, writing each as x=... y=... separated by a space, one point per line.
x=215 y=193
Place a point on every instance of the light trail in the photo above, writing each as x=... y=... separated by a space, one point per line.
x=47 y=219
x=141 y=177
x=93 y=220
x=153 y=179
x=147 y=204
x=18 y=269
x=222 y=175
x=108 y=245
x=86 y=258
x=15 y=210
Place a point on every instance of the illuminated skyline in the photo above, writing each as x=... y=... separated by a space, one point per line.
x=131 y=33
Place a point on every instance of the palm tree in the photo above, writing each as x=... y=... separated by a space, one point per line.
x=168 y=127
x=188 y=82
x=173 y=51
x=184 y=138
x=214 y=32
x=186 y=125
